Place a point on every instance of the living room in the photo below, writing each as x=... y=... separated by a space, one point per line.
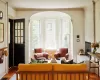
x=85 y=27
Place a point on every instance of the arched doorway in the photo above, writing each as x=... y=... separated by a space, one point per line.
x=51 y=30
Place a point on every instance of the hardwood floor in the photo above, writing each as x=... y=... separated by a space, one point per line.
x=13 y=70
x=94 y=76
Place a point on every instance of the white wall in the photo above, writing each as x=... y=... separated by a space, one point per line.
x=4 y=65
x=77 y=16
x=89 y=30
x=98 y=21
x=11 y=12
x=98 y=24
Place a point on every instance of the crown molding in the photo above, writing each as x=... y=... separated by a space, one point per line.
x=4 y=1
x=46 y=9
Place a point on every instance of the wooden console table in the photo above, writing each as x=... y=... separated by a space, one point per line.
x=96 y=56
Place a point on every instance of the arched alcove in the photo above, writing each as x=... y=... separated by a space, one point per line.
x=60 y=36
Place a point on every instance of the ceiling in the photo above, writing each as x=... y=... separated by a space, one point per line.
x=17 y=4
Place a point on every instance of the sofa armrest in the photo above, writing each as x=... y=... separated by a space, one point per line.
x=45 y=55
x=57 y=55
x=35 y=57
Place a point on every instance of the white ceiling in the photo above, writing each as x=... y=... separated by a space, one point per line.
x=49 y=3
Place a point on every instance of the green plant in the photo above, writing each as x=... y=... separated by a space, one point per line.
x=95 y=46
x=36 y=61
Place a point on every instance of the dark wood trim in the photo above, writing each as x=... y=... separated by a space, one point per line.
x=49 y=9
x=94 y=18
x=11 y=44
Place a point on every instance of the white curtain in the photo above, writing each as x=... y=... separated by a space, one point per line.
x=49 y=35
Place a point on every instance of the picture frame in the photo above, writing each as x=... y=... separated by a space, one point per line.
x=1 y=32
x=1 y=14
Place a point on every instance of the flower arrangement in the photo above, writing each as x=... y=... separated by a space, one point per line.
x=2 y=54
x=95 y=46
x=5 y=53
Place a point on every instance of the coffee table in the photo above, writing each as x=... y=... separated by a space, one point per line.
x=58 y=61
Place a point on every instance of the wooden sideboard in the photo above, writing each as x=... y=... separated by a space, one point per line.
x=95 y=61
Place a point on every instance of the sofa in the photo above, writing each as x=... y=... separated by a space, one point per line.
x=52 y=72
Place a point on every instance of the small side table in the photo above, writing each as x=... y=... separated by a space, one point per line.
x=96 y=56
x=82 y=58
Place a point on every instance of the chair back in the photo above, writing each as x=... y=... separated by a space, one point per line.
x=63 y=51
x=38 y=50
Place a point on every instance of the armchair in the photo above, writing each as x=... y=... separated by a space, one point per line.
x=38 y=53
x=63 y=52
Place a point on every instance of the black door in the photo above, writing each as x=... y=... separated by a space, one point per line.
x=11 y=46
x=19 y=41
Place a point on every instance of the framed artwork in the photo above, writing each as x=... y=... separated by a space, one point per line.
x=1 y=14
x=1 y=32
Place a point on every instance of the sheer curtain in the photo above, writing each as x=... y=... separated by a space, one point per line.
x=49 y=35
x=65 y=33
x=50 y=31
x=36 y=34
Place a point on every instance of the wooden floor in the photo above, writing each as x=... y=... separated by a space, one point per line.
x=94 y=76
x=13 y=70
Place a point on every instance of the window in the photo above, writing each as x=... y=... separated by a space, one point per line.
x=65 y=33
x=45 y=33
x=36 y=33
x=19 y=30
x=50 y=31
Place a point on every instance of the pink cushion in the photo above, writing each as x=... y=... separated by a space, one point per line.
x=38 y=50
x=39 y=55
